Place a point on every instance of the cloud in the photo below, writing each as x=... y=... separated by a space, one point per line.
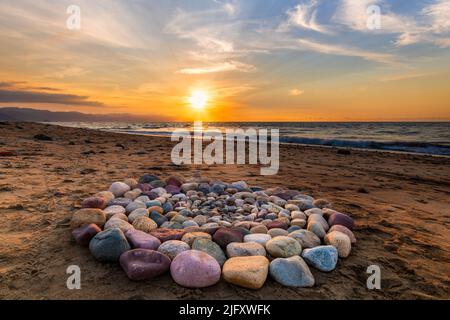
x=406 y=76
x=439 y=16
x=296 y=92
x=26 y=96
x=339 y=50
x=304 y=16
x=222 y=67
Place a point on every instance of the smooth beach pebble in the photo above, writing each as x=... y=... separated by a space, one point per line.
x=112 y=210
x=338 y=218
x=191 y=236
x=258 y=238
x=341 y=241
x=291 y=272
x=241 y=249
x=323 y=258
x=134 y=206
x=144 y=224
x=118 y=189
x=94 y=202
x=259 y=229
x=132 y=183
x=141 y=212
x=108 y=245
x=275 y=232
x=172 y=248
x=283 y=247
x=211 y=248
x=116 y=223
x=345 y=230
x=143 y=264
x=84 y=234
x=123 y=202
x=120 y=216
x=316 y=228
x=142 y=240
x=107 y=195
x=224 y=236
x=88 y=216
x=248 y=272
x=195 y=269
x=164 y=234
x=307 y=239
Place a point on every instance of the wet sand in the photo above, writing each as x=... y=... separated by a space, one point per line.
x=400 y=203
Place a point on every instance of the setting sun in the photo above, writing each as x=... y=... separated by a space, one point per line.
x=198 y=99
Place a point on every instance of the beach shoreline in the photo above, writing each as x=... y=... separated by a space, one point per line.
x=398 y=200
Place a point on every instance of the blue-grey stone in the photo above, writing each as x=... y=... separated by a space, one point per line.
x=293 y=228
x=291 y=272
x=167 y=207
x=158 y=184
x=271 y=216
x=123 y=202
x=204 y=187
x=323 y=258
x=108 y=245
x=147 y=178
x=158 y=218
x=153 y=203
x=218 y=188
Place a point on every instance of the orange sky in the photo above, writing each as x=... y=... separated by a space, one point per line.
x=307 y=62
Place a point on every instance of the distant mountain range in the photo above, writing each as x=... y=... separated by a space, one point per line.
x=34 y=115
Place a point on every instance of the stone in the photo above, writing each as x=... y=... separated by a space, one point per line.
x=322 y=203
x=298 y=215
x=191 y=236
x=132 y=183
x=157 y=209
x=348 y=232
x=167 y=207
x=120 y=216
x=158 y=218
x=94 y=202
x=116 y=223
x=143 y=199
x=144 y=224
x=307 y=239
x=141 y=212
x=313 y=211
x=316 y=228
x=107 y=195
x=174 y=181
x=144 y=264
x=323 y=258
x=147 y=178
x=320 y=219
x=258 y=238
x=277 y=224
x=172 y=248
x=135 y=205
x=293 y=228
x=153 y=203
x=248 y=272
x=275 y=232
x=340 y=241
x=224 y=236
x=338 y=218
x=124 y=202
x=283 y=247
x=211 y=248
x=292 y=207
x=259 y=229
x=201 y=220
x=165 y=234
x=112 y=210
x=189 y=223
x=241 y=249
x=87 y=216
x=291 y=272
x=109 y=245
x=298 y=222
x=185 y=187
x=195 y=269
x=142 y=240
x=84 y=234
x=118 y=189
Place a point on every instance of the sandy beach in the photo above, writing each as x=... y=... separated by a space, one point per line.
x=400 y=203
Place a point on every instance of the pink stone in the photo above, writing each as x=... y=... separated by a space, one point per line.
x=338 y=218
x=277 y=224
x=142 y=240
x=195 y=269
x=165 y=234
x=224 y=236
x=143 y=264
x=94 y=202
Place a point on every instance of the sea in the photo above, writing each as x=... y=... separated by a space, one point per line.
x=414 y=137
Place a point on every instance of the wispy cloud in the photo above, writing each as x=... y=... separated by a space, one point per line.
x=221 y=67
x=304 y=16
x=296 y=92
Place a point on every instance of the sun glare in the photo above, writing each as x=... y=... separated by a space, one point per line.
x=198 y=99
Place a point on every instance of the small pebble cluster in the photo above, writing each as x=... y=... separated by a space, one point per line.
x=201 y=231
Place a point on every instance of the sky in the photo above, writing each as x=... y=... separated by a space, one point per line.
x=254 y=60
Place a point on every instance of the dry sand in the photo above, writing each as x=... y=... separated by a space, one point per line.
x=400 y=203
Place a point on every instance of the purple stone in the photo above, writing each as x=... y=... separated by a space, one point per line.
x=224 y=236
x=143 y=264
x=84 y=234
x=174 y=181
x=195 y=269
x=145 y=187
x=94 y=202
x=172 y=189
x=140 y=239
x=338 y=218
x=277 y=224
